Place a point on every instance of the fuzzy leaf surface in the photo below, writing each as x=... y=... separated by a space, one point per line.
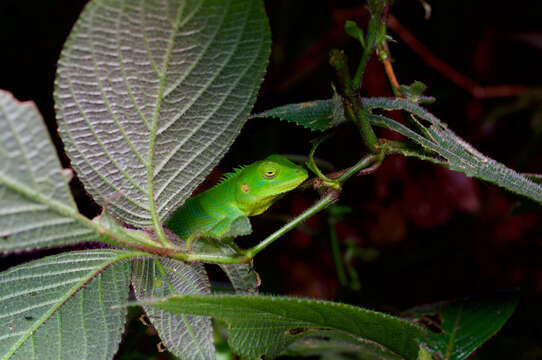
x=265 y=325
x=58 y=307
x=429 y=139
x=458 y=328
x=451 y=150
x=151 y=94
x=317 y=115
x=188 y=337
x=36 y=206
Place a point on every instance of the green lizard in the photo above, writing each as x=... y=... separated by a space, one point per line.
x=222 y=210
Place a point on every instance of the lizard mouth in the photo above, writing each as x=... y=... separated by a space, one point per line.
x=279 y=190
x=292 y=184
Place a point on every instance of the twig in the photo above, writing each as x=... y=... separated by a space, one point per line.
x=391 y=75
x=327 y=199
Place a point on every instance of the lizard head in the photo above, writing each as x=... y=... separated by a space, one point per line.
x=263 y=182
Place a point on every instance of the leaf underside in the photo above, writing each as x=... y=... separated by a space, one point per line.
x=151 y=94
x=430 y=139
x=318 y=115
x=188 y=337
x=36 y=206
x=58 y=307
x=265 y=325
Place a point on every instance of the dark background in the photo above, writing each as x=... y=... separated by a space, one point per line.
x=427 y=234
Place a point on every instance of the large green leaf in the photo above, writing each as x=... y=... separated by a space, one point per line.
x=265 y=325
x=151 y=94
x=59 y=307
x=430 y=140
x=188 y=337
x=458 y=328
x=36 y=207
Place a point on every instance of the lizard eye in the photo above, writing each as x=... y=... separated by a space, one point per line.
x=269 y=172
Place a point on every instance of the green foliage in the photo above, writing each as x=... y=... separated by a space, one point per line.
x=165 y=90
x=266 y=325
x=414 y=93
x=458 y=328
x=434 y=142
x=119 y=119
x=318 y=115
x=36 y=207
x=352 y=29
x=188 y=337
x=59 y=306
x=448 y=149
x=243 y=277
x=149 y=96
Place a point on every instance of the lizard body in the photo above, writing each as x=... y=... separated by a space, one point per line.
x=248 y=191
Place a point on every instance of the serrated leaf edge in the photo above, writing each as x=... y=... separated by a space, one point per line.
x=48 y=314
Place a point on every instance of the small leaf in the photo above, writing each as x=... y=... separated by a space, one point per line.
x=59 y=307
x=151 y=94
x=36 y=206
x=265 y=325
x=318 y=115
x=458 y=328
x=188 y=337
x=414 y=92
x=352 y=29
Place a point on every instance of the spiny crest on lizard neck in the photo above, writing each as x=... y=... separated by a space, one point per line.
x=230 y=175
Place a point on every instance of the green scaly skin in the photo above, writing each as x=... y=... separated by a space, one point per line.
x=247 y=191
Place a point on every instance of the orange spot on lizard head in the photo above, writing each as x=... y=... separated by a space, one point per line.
x=245 y=188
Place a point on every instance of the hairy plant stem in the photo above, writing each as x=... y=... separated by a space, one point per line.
x=246 y=256
x=329 y=198
x=358 y=77
x=365 y=162
x=330 y=195
x=353 y=107
x=332 y=183
x=210 y=258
